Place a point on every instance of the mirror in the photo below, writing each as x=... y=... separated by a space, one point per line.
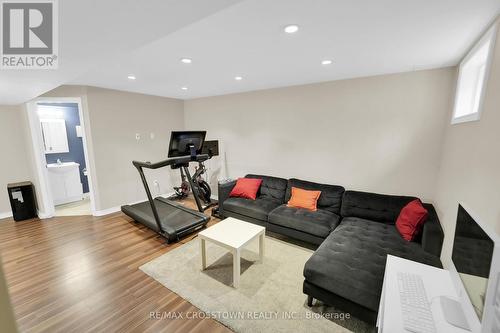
x=55 y=137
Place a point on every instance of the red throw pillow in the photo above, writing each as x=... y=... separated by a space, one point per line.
x=411 y=219
x=246 y=188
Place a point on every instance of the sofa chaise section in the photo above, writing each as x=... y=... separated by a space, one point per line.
x=347 y=269
x=385 y=208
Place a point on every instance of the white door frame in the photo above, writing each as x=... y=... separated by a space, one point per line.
x=46 y=209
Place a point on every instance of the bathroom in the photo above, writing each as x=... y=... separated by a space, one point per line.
x=62 y=135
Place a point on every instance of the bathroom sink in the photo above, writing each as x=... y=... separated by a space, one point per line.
x=62 y=166
x=65 y=182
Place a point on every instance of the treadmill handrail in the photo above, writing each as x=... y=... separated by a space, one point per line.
x=170 y=161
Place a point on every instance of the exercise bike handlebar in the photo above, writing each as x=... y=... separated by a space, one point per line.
x=171 y=161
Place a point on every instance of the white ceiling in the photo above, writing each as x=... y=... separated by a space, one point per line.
x=228 y=38
x=94 y=33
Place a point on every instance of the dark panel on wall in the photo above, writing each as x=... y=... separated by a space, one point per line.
x=75 y=143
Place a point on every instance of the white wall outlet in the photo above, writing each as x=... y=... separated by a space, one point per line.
x=157 y=186
x=137 y=136
x=79 y=132
x=152 y=135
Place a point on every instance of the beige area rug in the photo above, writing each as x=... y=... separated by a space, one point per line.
x=269 y=299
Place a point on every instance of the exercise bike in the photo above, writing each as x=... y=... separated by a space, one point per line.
x=182 y=191
x=202 y=190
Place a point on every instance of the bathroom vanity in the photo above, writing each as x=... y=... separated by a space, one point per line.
x=65 y=182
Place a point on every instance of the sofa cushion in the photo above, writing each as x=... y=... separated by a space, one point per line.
x=411 y=219
x=246 y=188
x=258 y=208
x=317 y=223
x=351 y=260
x=372 y=206
x=304 y=199
x=272 y=188
x=330 y=198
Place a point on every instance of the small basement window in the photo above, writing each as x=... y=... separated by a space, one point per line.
x=472 y=78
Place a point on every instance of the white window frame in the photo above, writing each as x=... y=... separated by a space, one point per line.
x=489 y=36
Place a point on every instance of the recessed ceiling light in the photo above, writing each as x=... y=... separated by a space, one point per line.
x=292 y=28
x=238 y=78
x=186 y=60
x=131 y=77
x=326 y=62
x=184 y=88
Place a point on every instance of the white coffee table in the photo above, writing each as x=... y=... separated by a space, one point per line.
x=233 y=234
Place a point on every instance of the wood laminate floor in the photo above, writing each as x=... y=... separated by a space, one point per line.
x=80 y=274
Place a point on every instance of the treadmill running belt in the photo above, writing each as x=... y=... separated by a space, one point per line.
x=175 y=219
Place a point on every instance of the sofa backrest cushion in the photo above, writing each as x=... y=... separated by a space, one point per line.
x=330 y=198
x=372 y=206
x=272 y=188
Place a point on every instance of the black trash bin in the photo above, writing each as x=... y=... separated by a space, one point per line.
x=22 y=200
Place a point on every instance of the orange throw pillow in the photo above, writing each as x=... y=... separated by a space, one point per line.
x=304 y=199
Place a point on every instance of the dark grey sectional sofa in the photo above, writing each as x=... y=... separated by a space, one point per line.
x=355 y=232
x=270 y=210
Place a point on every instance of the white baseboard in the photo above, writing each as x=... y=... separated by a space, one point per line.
x=106 y=211
x=42 y=215
x=167 y=195
x=5 y=215
x=115 y=209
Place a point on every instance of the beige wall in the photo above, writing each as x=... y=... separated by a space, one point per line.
x=115 y=118
x=381 y=133
x=470 y=165
x=15 y=164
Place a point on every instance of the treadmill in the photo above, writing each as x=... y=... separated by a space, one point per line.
x=170 y=219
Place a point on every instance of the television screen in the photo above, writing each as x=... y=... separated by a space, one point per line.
x=181 y=143
x=472 y=255
x=211 y=148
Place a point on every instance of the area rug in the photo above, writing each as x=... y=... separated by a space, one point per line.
x=269 y=299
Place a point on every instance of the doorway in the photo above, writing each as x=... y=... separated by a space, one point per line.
x=61 y=156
